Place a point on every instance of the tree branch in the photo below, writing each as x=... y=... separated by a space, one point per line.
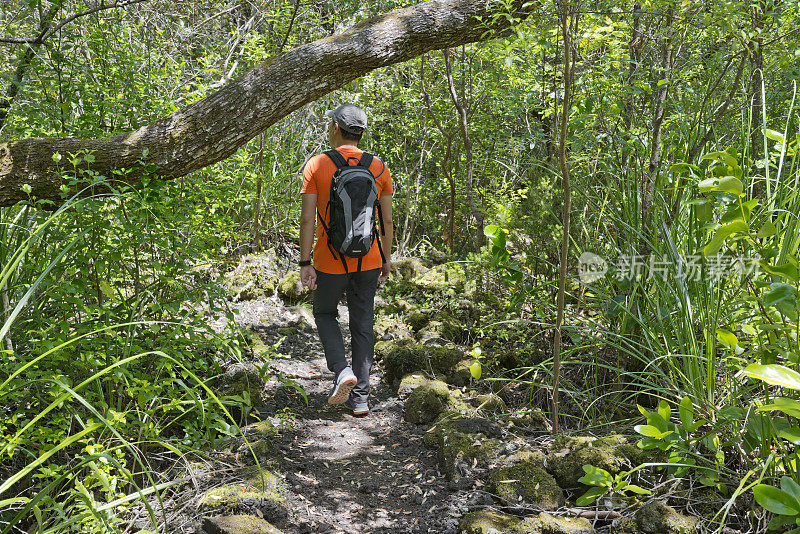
x=215 y=127
x=42 y=37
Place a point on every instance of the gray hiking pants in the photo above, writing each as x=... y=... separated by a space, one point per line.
x=360 y=288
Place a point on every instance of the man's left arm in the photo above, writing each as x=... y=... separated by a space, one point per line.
x=387 y=237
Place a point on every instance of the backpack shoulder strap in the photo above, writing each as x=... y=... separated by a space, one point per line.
x=337 y=158
x=366 y=160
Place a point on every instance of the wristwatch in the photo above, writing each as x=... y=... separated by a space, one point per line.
x=304 y=263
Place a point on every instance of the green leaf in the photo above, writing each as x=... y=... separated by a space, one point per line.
x=721 y=234
x=595 y=476
x=651 y=431
x=728 y=184
x=786 y=270
x=590 y=496
x=775 y=500
x=475 y=370
x=767 y=230
x=791 y=487
x=791 y=435
x=773 y=374
x=638 y=490
x=780 y=292
x=774 y=135
x=686 y=412
x=664 y=410
x=727 y=338
x=790 y=407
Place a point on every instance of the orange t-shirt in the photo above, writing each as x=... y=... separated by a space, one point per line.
x=317 y=176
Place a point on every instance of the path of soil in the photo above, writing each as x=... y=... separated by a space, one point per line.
x=346 y=474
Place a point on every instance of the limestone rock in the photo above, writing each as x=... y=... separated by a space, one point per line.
x=490 y=522
x=408 y=268
x=263 y=491
x=656 y=517
x=430 y=399
x=551 y=524
x=239 y=379
x=568 y=455
x=458 y=451
x=410 y=382
x=254 y=277
x=238 y=524
x=443 y=326
x=489 y=403
x=290 y=286
x=417 y=320
x=405 y=356
x=527 y=481
x=443 y=277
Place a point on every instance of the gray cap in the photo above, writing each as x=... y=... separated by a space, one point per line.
x=349 y=118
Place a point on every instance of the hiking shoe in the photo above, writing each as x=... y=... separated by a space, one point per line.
x=360 y=409
x=345 y=383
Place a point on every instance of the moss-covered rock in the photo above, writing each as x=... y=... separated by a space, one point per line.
x=410 y=382
x=458 y=451
x=530 y=419
x=408 y=268
x=444 y=277
x=656 y=517
x=254 y=277
x=443 y=328
x=417 y=320
x=568 y=455
x=290 y=286
x=489 y=403
x=430 y=399
x=529 y=482
x=238 y=524
x=460 y=376
x=404 y=356
x=551 y=524
x=489 y=522
x=262 y=449
x=262 y=490
x=241 y=379
x=260 y=428
x=390 y=328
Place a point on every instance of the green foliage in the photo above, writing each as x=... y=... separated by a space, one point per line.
x=604 y=483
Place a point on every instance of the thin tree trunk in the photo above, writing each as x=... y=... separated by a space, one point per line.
x=658 y=118
x=213 y=128
x=25 y=62
x=562 y=159
x=257 y=207
x=464 y=125
x=757 y=65
x=634 y=53
x=697 y=147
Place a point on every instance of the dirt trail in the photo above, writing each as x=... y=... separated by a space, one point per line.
x=345 y=474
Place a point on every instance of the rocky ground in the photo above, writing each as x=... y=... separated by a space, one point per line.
x=436 y=453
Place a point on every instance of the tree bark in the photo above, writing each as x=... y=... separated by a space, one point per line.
x=658 y=119
x=566 y=18
x=464 y=127
x=212 y=129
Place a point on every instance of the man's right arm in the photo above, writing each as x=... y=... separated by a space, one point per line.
x=308 y=219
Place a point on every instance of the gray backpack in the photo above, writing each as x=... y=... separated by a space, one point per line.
x=353 y=201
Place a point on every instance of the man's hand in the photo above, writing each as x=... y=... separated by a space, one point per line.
x=385 y=270
x=308 y=276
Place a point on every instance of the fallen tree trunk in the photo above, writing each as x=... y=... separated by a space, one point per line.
x=214 y=128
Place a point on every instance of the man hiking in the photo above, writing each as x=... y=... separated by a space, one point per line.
x=352 y=251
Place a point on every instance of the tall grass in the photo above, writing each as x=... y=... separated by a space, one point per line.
x=123 y=372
